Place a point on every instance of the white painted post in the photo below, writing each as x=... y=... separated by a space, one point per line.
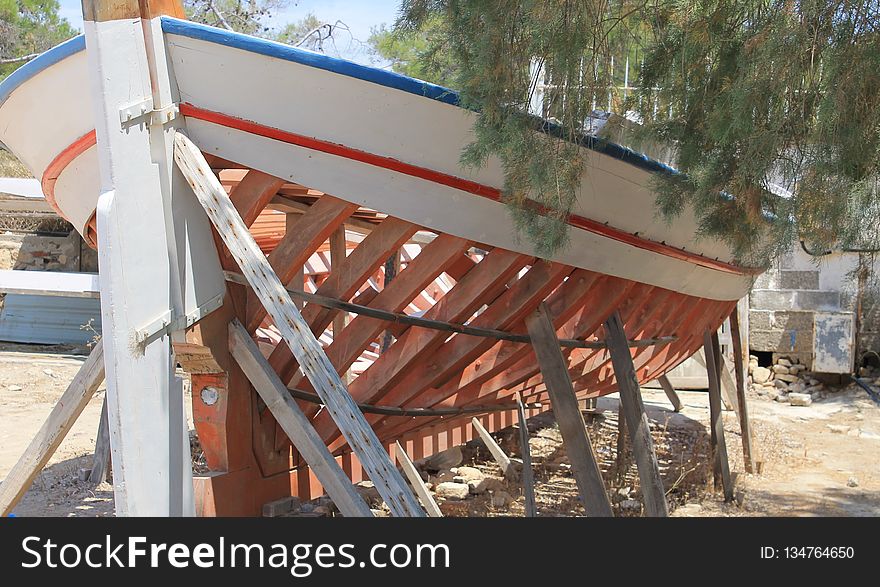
x=142 y=232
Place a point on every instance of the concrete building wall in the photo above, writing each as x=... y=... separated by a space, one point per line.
x=788 y=297
x=32 y=252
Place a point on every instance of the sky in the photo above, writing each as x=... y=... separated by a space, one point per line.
x=359 y=15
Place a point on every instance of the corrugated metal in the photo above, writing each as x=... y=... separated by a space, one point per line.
x=49 y=319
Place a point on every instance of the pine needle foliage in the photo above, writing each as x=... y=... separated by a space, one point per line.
x=773 y=107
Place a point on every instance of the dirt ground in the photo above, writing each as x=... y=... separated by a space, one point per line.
x=819 y=460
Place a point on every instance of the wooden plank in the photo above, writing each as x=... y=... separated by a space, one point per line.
x=528 y=475
x=739 y=363
x=568 y=414
x=721 y=465
x=295 y=331
x=50 y=283
x=295 y=424
x=253 y=193
x=338 y=253
x=636 y=420
x=728 y=386
x=664 y=382
x=54 y=429
x=297 y=283
x=497 y=452
x=101 y=461
x=417 y=482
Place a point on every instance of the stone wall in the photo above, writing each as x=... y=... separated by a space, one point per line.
x=33 y=252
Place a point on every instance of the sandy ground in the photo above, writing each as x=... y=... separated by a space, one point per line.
x=820 y=460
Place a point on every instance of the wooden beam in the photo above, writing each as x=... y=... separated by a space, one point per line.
x=417 y=483
x=636 y=420
x=101 y=461
x=496 y=451
x=295 y=424
x=728 y=386
x=294 y=330
x=568 y=414
x=664 y=382
x=739 y=370
x=297 y=283
x=338 y=252
x=721 y=465
x=54 y=429
x=528 y=475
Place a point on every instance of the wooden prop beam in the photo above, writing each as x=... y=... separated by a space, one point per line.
x=739 y=371
x=497 y=452
x=728 y=386
x=54 y=429
x=338 y=252
x=417 y=483
x=294 y=330
x=528 y=475
x=568 y=414
x=636 y=421
x=670 y=392
x=721 y=465
x=295 y=424
x=102 y=450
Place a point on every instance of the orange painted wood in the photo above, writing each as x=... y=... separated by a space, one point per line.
x=363 y=330
x=310 y=231
x=417 y=343
x=345 y=282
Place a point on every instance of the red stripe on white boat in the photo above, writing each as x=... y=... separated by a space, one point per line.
x=83 y=143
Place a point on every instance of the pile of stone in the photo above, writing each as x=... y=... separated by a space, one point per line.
x=786 y=381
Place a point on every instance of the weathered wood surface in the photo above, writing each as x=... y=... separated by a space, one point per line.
x=739 y=362
x=636 y=420
x=728 y=385
x=409 y=469
x=670 y=392
x=528 y=475
x=568 y=414
x=101 y=460
x=294 y=423
x=497 y=452
x=294 y=330
x=54 y=429
x=721 y=465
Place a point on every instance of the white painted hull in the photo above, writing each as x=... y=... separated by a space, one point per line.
x=44 y=115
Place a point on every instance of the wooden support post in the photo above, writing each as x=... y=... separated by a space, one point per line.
x=417 y=482
x=298 y=281
x=728 y=386
x=54 y=429
x=295 y=331
x=621 y=463
x=720 y=466
x=294 y=423
x=664 y=382
x=497 y=452
x=636 y=421
x=739 y=363
x=392 y=268
x=568 y=414
x=159 y=264
x=101 y=462
x=528 y=475
x=338 y=252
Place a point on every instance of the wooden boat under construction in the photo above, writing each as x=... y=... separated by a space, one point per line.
x=340 y=169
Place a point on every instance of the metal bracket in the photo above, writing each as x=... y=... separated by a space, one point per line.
x=142 y=111
x=166 y=325
x=134 y=111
